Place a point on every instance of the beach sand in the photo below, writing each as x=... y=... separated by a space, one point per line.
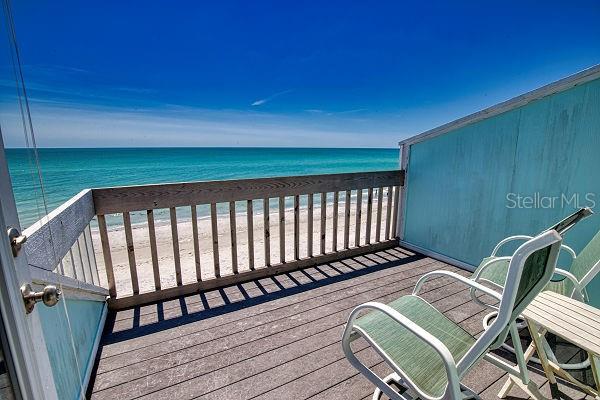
x=186 y=246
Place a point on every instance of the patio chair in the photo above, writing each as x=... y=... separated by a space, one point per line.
x=572 y=283
x=429 y=353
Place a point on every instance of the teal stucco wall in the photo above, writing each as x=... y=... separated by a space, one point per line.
x=70 y=341
x=462 y=186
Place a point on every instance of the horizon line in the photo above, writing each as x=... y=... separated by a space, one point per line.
x=200 y=147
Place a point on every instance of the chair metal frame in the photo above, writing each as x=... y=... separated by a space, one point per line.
x=491 y=338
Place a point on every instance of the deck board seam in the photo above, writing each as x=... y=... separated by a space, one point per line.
x=326 y=365
x=265 y=285
x=431 y=290
x=286 y=305
x=287 y=316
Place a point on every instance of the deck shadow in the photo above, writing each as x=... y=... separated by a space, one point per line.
x=228 y=305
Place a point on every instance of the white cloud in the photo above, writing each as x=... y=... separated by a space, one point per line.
x=260 y=102
x=66 y=125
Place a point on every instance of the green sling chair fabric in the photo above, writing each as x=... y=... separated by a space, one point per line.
x=585 y=260
x=418 y=360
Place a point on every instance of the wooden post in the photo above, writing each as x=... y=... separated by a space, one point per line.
x=175 y=237
x=153 y=249
x=90 y=242
x=395 y=216
x=309 y=243
x=282 y=229
x=267 y=232
x=233 y=232
x=296 y=227
x=77 y=246
x=388 y=213
x=196 y=243
x=110 y=276
x=358 y=217
x=379 y=209
x=91 y=261
x=131 y=253
x=323 y=221
x=369 y=215
x=250 y=224
x=215 y=239
x=347 y=220
x=336 y=199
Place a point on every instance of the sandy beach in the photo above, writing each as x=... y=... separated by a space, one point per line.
x=186 y=245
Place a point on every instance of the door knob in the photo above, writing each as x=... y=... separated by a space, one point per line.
x=50 y=295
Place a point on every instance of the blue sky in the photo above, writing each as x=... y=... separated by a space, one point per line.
x=253 y=73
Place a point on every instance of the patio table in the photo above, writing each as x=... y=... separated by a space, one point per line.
x=572 y=320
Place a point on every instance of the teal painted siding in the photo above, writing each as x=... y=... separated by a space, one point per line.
x=69 y=359
x=458 y=182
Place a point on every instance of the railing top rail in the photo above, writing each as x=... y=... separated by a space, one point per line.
x=147 y=197
x=50 y=238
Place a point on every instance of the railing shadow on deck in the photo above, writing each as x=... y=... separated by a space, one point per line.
x=269 y=289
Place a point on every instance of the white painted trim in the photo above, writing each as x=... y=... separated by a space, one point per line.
x=24 y=331
x=561 y=85
x=404 y=157
x=437 y=256
x=91 y=361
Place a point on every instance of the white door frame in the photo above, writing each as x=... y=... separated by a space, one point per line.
x=24 y=332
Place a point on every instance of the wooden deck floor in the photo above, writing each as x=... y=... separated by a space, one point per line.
x=275 y=338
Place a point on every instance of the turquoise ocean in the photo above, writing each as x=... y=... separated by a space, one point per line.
x=65 y=172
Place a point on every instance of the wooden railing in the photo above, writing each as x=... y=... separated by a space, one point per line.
x=60 y=249
x=335 y=241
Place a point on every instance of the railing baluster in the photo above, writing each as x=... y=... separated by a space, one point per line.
x=309 y=244
x=233 y=233
x=76 y=260
x=379 y=207
x=296 y=227
x=215 y=239
x=88 y=257
x=369 y=215
x=336 y=199
x=250 y=224
x=130 y=253
x=71 y=261
x=358 y=217
x=153 y=249
x=267 y=231
x=80 y=254
x=323 y=221
x=396 y=205
x=282 y=229
x=175 y=237
x=196 y=243
x=388 y=213
x=90 y=242
x=110 y=276
x=347 y=220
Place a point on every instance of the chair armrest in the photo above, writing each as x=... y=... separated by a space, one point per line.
x=526 y=237
x=578 y=287
x=569 y=250
x=466 y=281
x=508 y=240
x=422 y=334
x=487 y=265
